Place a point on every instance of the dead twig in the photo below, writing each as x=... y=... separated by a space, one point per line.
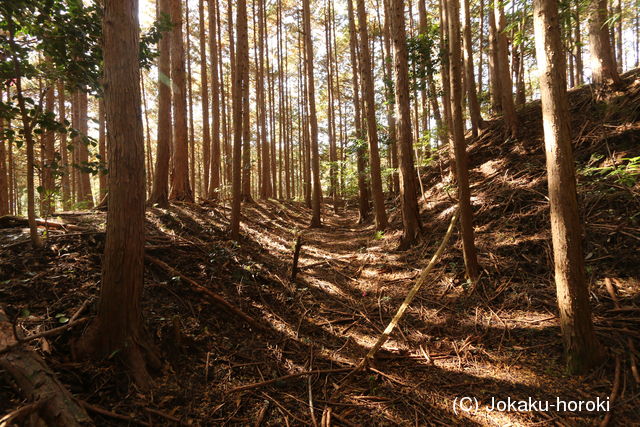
x=287 y=377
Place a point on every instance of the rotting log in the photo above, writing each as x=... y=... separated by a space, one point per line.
x=38 y=383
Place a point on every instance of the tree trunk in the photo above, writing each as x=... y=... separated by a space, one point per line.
x=619 y=51
x=265 y=172
x=370 y=113
x=65 y=195
x=462 y=169
x=180 y=186
x=240 y=78
x=506 y=83
x=391 y=119
x=47 y=196
x=213 y=186
x=204 y=96
x=363 y=193
x=582 y=349
x=160 y=190
x=469 y=79
x=316 y=195
x=494 y=76
x=408 y=191
x=84 y=183
x=118 y=326
x=603 y=65
x=579 y=80
x=4 y=176
x=102 y=149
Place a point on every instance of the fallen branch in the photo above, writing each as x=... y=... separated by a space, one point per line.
x=72 y=322
x=106 y=413
x=212 y=295
x=422 y=279
x=287 y=377
x=614 y=393
x=14 y=416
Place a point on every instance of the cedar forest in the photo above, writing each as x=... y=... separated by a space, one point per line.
x=325 y=212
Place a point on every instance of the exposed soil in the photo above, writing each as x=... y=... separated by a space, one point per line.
x=498 y=339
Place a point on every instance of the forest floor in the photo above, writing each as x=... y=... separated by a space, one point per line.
x=499 y=339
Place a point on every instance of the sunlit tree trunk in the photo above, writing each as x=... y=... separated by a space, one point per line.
x=118 y=327
x=469 y=79
x=240 y=78
x=462 y=168
x=213 y=187
x=408 y=191
x=204 y=96
x=160 y=189
x=313 y=120
x=370 y=113
x=180 y=186
x=494 y=77
x=603 y=65
x=582 y=349
x=391 y=119
x=363 y=193
x=506 y=83
x=579 y=69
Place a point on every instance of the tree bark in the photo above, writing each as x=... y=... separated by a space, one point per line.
x=204 y=96
x=160 y=190
x=118 y=326
x=582 y=349
x=462 y=168
x=316 y=194
x=4 y=176
x=370 y=113
x=603 y=65
x=363 y=193
x=180 y=186
x=579 y=80
x=240 y=78
x=469 y=79
x=213 y=186
x=102 y=149
x=506 y=83
x=408 y=191
x=494 y=75
x=84 y=182
x=48 y=179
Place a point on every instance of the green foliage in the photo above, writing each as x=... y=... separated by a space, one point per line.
x=626 y=173
x=424 y=56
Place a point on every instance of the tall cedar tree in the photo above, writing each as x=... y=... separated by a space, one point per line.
x=160 y=190
x=366 y=74
x=408 y=189
x=118 y=327
x=603 y=64
x=462 y=168
x=180 y=186
x=214 y=173
x=503 y=73
x=204 y=97
x=363 y=192
x=581 y=346
x=316 y=194
x=240 y=78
